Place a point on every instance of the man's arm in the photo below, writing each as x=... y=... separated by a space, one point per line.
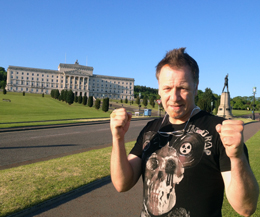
x=240 y=184
x=125 y=170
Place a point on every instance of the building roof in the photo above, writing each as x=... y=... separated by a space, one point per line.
x=75 y=66
x=33 y=69
x=112 y=77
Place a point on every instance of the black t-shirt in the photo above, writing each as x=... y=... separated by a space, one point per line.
x=182 y=171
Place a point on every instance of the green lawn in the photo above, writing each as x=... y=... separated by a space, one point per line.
x=254 y=153
x=34 y=107
x=28 y=185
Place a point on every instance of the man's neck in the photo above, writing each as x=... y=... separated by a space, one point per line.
x=193 y=112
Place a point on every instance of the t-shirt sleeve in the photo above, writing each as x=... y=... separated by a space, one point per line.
x=137 y=149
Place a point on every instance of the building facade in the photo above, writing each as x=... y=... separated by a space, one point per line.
x=80 y=79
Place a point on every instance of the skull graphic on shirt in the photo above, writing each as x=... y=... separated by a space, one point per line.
x=165 y=169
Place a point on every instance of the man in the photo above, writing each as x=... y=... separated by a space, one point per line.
x=188 y=157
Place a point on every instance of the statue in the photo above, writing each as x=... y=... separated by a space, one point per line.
x=225 y=84
x=77 y=62
x=224 y=109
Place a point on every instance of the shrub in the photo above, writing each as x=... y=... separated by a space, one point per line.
x=97 y=104
x=4 y=91
x=126 y=100
x=145 y=102
x=90 y=101
x=76 y=98
x=70 y=97
x=137 y=101
x=105 y=104
x=80 y=99
x=65 y=95
x=43 y=95
x=23 y=93
x=85 y=98
x=62 y=95
x=56 y=93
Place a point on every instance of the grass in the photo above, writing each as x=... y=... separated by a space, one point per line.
x=34 y=107
x=254 y=153
x=28 y=185
x=242 y=112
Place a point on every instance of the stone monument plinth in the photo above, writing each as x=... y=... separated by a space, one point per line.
x=224 y=109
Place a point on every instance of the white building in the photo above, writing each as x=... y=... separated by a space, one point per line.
x=80 y=79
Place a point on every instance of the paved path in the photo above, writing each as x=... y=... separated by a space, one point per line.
x=101 y=199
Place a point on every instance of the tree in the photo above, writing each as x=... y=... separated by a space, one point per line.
x=76 y=98
x=80 y=99
x=90 y=101
x=62 y=95
x=97 y=104
x=85 y=98
x=105 y=104
x=137 y=101
x=152 y=99
x=209 y=97
x=56 y=94
x=3 y=77
x=4 y=91
x=126 y=100
x=204 y=100
x=145 y=101
x=70 y=97
x=65 y=95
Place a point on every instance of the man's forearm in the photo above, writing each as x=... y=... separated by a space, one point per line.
x=121 y=170
x=243 y=189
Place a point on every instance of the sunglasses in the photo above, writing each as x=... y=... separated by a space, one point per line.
x=177 y=133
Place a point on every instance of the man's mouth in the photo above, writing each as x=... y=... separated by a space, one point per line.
x=175 y=107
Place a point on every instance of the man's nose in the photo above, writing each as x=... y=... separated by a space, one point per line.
x=175 y=95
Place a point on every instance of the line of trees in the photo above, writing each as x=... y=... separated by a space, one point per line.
x=69 y=97
x=3 y=77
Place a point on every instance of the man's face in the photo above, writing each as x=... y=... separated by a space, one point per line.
x=178 y=91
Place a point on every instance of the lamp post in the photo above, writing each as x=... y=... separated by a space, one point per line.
x=254 y=91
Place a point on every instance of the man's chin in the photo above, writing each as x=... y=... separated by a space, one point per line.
x=175 y=115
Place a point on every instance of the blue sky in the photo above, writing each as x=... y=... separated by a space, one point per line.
x=129 y=38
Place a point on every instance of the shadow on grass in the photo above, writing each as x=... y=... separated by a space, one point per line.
x=40 y=146
x=64 y=198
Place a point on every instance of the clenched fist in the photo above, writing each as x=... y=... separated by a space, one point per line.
x=231 y=135
x=119 y=123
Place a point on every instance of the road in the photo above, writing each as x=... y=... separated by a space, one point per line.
x=29 y=146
